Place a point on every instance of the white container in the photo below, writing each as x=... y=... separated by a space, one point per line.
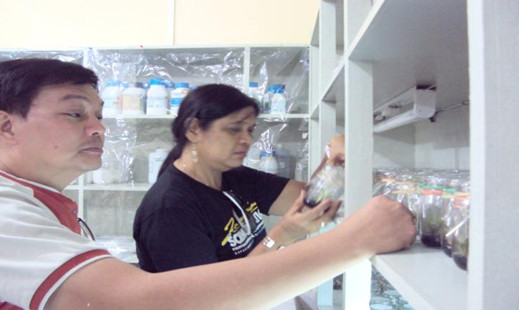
x=266 y=100
x=111 y=97
x=255 y=93
x=157 y=98
x=252 y=160
x=283 y=158
x=268 y=161
x=176 y=96
x=278 y=103
x=155 y=160
x=133 y=99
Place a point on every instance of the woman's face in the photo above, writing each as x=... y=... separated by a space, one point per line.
x=224 y=145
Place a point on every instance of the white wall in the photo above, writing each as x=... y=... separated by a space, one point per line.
x=245 y=21
x=77 y=23
x=33 y=24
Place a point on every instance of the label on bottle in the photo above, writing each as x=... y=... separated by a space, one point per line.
x=174 y=105
x=156 y=106
x=278 y=104
x=132 y=104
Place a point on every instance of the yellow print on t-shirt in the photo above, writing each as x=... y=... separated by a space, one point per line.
x=236 y=236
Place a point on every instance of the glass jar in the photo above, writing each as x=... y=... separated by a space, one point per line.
x=430 y=228
x=453 y=196
x=328 y=183
x=460 y=232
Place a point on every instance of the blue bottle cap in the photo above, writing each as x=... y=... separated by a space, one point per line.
x=113 y=83
x=156 y=81
x=181 y=85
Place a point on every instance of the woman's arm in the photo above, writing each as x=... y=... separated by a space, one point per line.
x=258 y=282
x=335 y=155
x=298 y=221
x=296 y=225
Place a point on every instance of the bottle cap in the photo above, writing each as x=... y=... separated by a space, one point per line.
x=181 y=85
x=113 y=83
x=156 y=81
x=265 y=153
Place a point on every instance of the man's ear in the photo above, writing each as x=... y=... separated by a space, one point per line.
x=6 y=126
x=192 y=129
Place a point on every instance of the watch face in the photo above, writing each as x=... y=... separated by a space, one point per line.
x=268 y=242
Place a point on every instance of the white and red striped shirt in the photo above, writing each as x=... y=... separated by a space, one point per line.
x=40 y=243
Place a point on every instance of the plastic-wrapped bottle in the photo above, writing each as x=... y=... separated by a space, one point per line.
x=252 y=160
x=283 y=158
x=278 y=103
x=255 y=93
x=111 y=96
x=268 y=161
x=155 y=160
x=266 y=100
x=176 y=96
x=133 y=99
x=157 y=98
x=301 y=171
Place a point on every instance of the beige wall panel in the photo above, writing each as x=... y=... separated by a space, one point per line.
x=34 y=24
x=244 y=21
x=78 y=23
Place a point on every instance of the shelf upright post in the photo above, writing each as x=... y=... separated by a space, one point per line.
x=326 y=115
x=358 y=128
x=493 y=73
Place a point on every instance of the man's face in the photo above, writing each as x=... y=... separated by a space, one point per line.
x=62 y=135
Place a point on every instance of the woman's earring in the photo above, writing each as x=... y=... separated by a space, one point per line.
x=194 y=154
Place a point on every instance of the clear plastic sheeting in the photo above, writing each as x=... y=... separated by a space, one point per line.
x=118 y=157
x=76 y=56
x=280 y=142
x=111 y=212
x=196 y=66
x=285 y=66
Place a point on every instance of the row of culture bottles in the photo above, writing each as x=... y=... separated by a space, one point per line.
x=273 y=101
x=158 y=97
x=275 y=160
x=440 y=202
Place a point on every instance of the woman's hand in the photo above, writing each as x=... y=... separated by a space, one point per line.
x=300 y=221
x=337 y=150
x=382 y=225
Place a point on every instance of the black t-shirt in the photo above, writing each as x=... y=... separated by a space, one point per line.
x=182 y=222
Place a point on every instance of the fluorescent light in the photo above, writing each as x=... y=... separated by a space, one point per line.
x=410 y=106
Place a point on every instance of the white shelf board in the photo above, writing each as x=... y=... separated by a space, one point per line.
x=335 y=86
x=144 y=116
x=426 y=277
x=415 y=42
x=283 y=116
x=171 y=117
x=139 y=187
x=314 y=114
x=314 y=41
x=404 y=30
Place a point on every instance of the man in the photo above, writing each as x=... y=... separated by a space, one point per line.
x=51 y=133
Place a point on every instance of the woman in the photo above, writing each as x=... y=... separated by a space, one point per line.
x=205 y=206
